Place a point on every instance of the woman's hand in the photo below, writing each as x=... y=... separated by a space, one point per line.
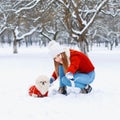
x=69 y=76
x=52 y=79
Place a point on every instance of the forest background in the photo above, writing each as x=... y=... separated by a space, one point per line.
x=76 y=22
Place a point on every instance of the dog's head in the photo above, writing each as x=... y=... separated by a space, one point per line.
x=42 y=84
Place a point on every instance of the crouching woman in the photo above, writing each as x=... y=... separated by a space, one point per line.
x=73 y=68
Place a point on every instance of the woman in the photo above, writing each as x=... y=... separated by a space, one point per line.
x=73 y=68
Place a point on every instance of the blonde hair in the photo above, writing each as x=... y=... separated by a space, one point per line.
x=65 y=64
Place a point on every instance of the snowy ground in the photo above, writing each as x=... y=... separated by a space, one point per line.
x=18 y=72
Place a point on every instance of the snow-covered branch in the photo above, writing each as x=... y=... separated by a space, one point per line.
x=2 y=30
x=24 y=35
x=101 y=36
x=28 y=6
x=65 y=4
x=73 y=2
x=91 y=20
x=45 y=35
x=114 y=13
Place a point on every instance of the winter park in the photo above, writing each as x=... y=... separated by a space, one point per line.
x=88 y=28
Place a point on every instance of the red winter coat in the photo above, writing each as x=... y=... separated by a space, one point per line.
x=33 y=91
x=79 y=62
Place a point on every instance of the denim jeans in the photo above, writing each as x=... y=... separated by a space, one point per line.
x=80 y=79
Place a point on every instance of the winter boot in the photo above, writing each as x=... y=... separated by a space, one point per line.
x=62 y=90
x=86 y=90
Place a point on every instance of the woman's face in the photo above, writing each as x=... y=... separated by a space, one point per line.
x=58 y=58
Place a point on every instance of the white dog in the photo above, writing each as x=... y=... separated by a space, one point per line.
x=42 y=83
x=40 y=89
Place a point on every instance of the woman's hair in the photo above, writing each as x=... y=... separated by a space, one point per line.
x=65 y=63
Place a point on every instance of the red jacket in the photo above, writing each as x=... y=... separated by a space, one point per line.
x=79 y=62
x=33 y=91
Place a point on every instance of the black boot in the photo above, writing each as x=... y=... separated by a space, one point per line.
x=86 y=90
x=62 y=90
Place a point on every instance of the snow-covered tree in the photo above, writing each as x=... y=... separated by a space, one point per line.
x=79 y=16
x=78 y=20
x=24 y=17
x=107 y=24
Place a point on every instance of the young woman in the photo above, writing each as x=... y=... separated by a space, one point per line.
x=72 y=67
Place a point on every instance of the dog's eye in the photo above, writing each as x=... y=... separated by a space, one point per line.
x=44 y=81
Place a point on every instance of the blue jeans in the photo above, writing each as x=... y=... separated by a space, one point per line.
x=80 y=79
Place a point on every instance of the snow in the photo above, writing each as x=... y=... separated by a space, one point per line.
x=19 y=71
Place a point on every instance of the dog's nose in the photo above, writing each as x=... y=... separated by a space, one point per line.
x=43 y=83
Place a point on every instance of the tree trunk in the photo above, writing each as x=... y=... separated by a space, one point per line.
x=83 y=47
x=14 y=44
